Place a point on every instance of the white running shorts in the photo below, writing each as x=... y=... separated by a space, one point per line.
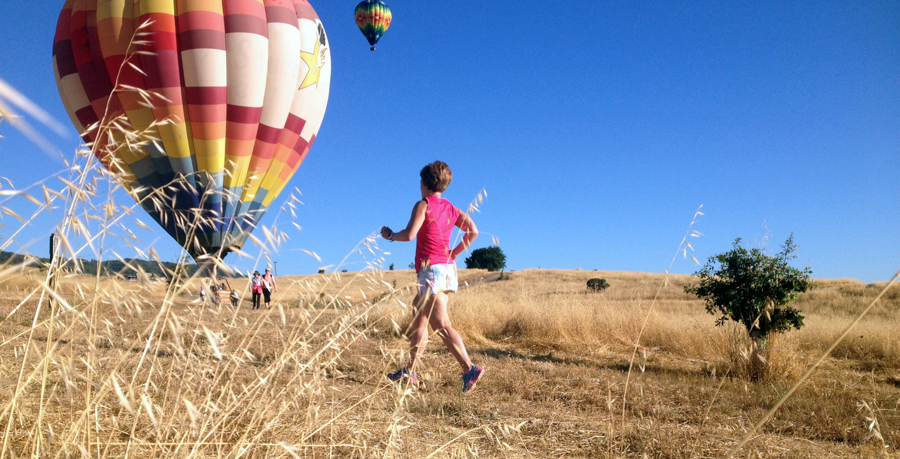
x=439 y=278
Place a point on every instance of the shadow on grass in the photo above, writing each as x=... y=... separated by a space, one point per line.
x=622 y=367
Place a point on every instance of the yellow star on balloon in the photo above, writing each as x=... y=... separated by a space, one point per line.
x=312 y=61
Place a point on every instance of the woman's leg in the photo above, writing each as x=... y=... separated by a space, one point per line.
x=440 y=322
x=418 y=339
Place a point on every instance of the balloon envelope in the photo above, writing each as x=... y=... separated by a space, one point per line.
x=373 y=18
x=211 y=106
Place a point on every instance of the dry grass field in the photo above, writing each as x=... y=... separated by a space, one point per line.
x=127 y=369
x=114 y=369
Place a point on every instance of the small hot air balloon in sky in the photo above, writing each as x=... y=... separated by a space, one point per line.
x=217 y=103
x=373 y=18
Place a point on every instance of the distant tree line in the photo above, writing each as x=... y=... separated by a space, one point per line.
x=12 y=258
x=107 y=268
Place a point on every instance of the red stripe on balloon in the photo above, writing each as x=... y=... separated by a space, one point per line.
x=206 y=95
x=65 y=60
x=93 y=79
x=248 y=115
x=165 y=64
x=94 y=37
x=294 y=124
x=269 y=135
x=62 y=24
x=78 y=37
x=161 y=32
x=87 y=117
x=244 y=23
x=126 y=74
x=302 y=146
x=202 y=39
x=281 y=14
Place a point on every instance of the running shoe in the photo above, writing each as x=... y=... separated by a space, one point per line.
x=471 y=377
x=403 y=375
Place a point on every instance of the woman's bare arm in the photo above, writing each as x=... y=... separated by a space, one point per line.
x=412 y=228
x=466 y=224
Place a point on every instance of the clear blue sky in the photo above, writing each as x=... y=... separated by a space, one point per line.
x=597 y=129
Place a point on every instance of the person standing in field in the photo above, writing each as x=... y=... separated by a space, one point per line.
x=256 y=288
x=268 y=286
x=431 y=223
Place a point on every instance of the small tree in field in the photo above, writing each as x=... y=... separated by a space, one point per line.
x=597 y=285
x=756 y=290
x=489 y=258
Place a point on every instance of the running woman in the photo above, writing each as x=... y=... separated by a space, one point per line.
x=431 y=223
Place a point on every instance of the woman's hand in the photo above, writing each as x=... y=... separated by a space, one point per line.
x=386 y=232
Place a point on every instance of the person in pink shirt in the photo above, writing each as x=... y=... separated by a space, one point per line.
x=268 y=286
x=256 y=286
x=432 y=222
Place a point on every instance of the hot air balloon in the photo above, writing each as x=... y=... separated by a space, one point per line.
x=373 y=18
x=221 y=101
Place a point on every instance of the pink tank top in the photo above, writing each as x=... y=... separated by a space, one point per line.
x=433 y=239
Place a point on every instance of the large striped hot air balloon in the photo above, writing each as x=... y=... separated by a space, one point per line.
x=226 y=98
x=373 y=18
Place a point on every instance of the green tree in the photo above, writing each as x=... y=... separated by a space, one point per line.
x=597 y=285
x=755 y=290
x=489 y=258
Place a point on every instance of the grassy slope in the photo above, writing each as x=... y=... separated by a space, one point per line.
x=234 y=380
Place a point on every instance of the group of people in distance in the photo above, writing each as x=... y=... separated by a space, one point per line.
x=260 y=286
x=264 y=286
